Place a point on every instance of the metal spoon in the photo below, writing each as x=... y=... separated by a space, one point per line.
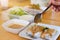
x=38 y=16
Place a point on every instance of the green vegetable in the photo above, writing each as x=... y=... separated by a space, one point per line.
x=18 y=12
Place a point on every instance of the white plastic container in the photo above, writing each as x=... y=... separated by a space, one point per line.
x=15 y=21
x=7 y=15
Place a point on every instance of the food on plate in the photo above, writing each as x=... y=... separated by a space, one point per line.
x=51 y=31
x=17 y=11
x=15 y=26
x=34 y=29
x=41 y=31
x=35 y=6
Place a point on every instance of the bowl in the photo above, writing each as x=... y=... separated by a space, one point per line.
x=14 y=21
x=7 y=16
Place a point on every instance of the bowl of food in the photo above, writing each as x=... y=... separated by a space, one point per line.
x=16 y=13
x=40 y=31
x=15 y=25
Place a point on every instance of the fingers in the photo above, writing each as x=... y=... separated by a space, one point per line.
x=55 y=6
x=58 y=8
x=54 y=2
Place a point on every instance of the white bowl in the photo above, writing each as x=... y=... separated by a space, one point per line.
x=7 y=16
x=14 y=21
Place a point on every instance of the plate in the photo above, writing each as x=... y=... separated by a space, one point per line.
x=54 y=37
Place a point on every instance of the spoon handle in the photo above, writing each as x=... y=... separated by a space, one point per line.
x=47 y=8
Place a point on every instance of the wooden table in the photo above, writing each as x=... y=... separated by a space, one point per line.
x=47 y=18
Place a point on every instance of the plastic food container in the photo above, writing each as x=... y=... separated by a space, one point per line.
x=14 y=21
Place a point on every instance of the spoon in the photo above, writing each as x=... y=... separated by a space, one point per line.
x=38 y=16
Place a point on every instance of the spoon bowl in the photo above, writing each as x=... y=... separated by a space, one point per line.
x=38 y=16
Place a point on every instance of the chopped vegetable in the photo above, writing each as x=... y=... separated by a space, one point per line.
x=18 y=11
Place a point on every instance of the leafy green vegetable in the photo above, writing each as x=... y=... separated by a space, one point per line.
x=18 y=12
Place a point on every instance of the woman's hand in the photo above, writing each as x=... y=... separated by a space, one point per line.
x=56 y=4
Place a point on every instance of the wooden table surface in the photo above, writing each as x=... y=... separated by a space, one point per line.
x=48 y=18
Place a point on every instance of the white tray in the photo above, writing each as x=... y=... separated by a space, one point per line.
x=57 y=28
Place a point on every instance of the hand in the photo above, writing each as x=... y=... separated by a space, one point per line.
x=56 y=5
